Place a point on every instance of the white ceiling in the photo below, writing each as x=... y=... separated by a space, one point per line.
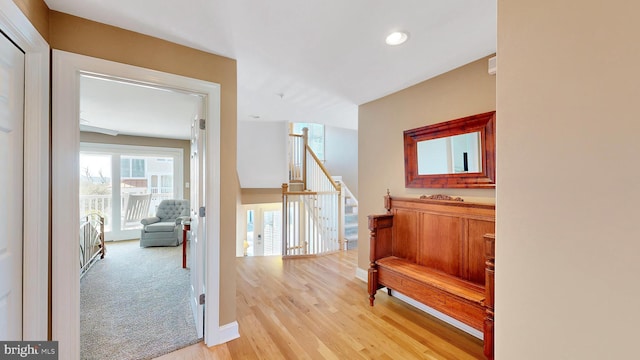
x=312 y=61
x=135 y=109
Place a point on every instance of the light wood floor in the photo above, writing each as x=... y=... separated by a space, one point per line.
x=317 y=309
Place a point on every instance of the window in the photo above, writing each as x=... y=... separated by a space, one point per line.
x=166 y=184
x=132 y=168
x=316 y=137
x=96 y=186
x=110 y=173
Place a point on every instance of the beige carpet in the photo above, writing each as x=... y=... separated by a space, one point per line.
x=134 y=304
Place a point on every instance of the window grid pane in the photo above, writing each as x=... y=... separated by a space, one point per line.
x=125 y=167
x=137 y=168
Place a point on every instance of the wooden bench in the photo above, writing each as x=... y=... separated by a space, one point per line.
x=433 y=251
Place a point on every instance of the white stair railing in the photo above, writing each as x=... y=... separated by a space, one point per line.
x=311 y=217
x=296 y=157
x=310 y=223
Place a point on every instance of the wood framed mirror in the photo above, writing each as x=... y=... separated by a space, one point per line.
x=458 y=153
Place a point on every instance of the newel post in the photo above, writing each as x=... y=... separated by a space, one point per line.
x=341 y=205
x=305 y=143
x=285 y=219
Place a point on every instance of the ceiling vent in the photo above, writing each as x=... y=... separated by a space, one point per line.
x=492 y=66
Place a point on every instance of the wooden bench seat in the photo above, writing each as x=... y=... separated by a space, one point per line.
x=433 y=251
x=446 y=293
x=437 y=279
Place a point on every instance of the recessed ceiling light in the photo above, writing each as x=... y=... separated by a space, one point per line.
x=396 y=38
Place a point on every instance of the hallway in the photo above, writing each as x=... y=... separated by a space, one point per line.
x=315 y=308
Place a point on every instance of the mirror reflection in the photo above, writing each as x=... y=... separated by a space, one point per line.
x=450 y=155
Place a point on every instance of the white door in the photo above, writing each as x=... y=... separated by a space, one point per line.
x=272 y=231
x=264 y=230
x=11 y=188
x=197 y=234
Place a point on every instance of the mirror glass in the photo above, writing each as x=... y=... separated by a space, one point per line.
x=450 y=155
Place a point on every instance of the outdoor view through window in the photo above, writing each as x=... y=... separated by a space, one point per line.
x=112 y=182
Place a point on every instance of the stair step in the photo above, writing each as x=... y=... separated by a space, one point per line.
x=351 y=218
x=351 y=241
x=352 y=245
x=296 y=186
x=351 y=237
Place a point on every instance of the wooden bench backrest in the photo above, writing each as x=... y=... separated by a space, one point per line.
x=440 y=234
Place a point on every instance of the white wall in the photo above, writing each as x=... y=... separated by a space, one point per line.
x=341 y=155
x=262 y=154
x=568 y=238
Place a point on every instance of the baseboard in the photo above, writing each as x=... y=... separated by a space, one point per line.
x=228 y=332
x=362 y=274
x=437 y=314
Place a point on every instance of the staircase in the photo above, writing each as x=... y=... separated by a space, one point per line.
x=350 y=215
x=319 y=212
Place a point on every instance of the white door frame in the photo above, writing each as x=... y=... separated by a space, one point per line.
x=67 y=68
x=36 y=169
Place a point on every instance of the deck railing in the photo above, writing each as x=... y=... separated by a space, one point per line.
x=102 y=205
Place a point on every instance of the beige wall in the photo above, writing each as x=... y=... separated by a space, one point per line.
x=89 y=38
x=567 y=248
x=464 y=91
x=261 y=196
x=146 y=141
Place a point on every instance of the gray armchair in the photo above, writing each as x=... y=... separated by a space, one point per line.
x=165 y=229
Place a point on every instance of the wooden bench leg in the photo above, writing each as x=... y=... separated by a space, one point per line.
x=372 y=284
x=489 y=283
x=488 y=336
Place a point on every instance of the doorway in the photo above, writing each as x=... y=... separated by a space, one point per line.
x=67 y=68
x=263 y=230
x=124 y=184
